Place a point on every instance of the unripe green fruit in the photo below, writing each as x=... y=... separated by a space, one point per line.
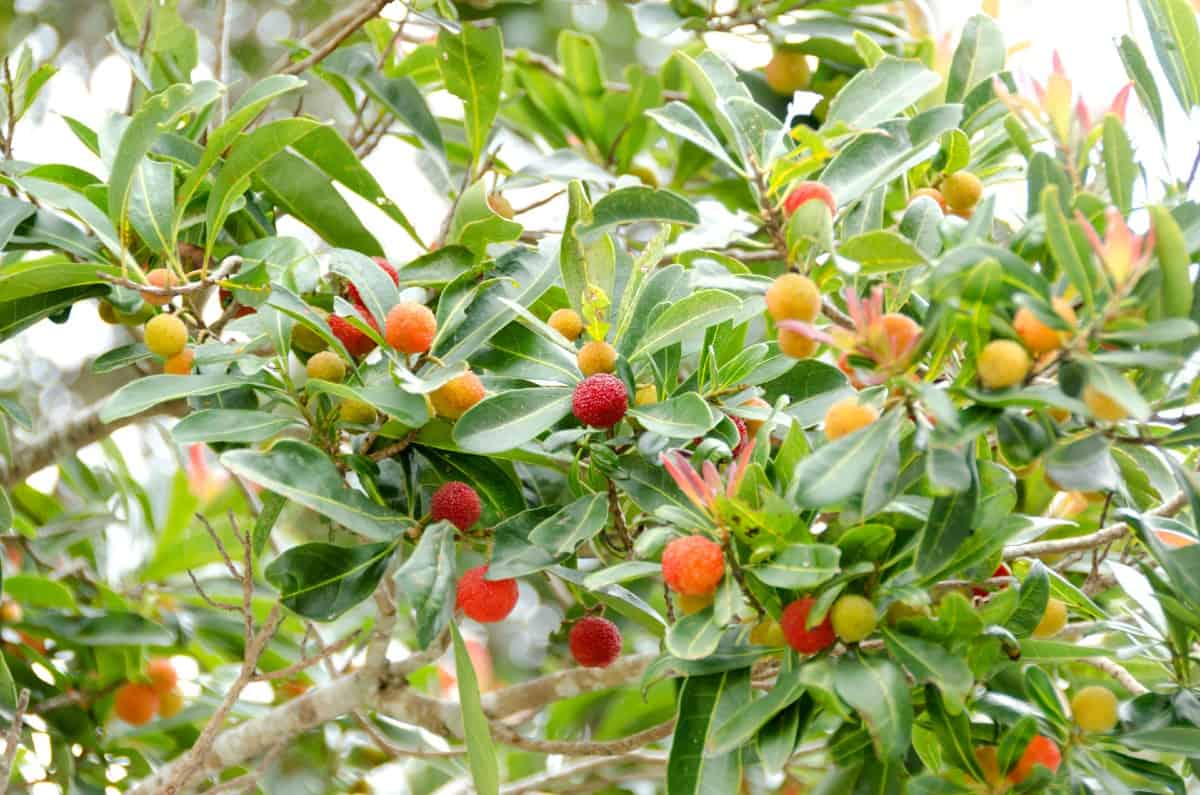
x=166 y=335
x=326 y=366
x=768 y=633
x=1095 y=709
x=356 y=412
x=853 y=618
x=306 y=340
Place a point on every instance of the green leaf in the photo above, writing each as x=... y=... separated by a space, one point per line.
x=950 y=524
x=685 y=416
x=1174 y=263
x=746 y=722
x=303 y=474
x=230 y=425
x=1176 y=37
x=6 y=511
x=1034 y=650
x=689 y=761
x=151 y=206
x=1061 y=243
x=878 y=691
x=800 y=566
x=485 y=770
x=954 y=154
x=427 y=577
x=561 y=533
x=694 y=636
x=839 y=470
x=1120 y=169
x=91 y=627
x=33 y=591
x=145 y=393
x=628 y=205
x=880 y=93
x=512 y=418
x=687 y=317
x=1143 y=81
x=680 y=119
x=1180 y=740
x=37 y=277
x=621 y=572
x=321 y=581
x=1031 y=606
x=932 y=664
x=882 y=251
x=475 y=225
x=472 y=67
x=272 y=506
x=979 y=56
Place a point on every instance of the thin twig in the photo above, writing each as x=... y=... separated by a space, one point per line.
x=369 y=11
x=324 y=654
x=1117 y=672
x=1099 y=538
x=12 y=739
x=226 y=268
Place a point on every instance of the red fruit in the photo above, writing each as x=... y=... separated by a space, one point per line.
x=163 y=677
x=356 y=342
x=595 y=642
x=457 y=503
x=486 y=601
x=806 y=192
x=804 y=640
x=1001 y=571
x=135 y=703
x=600 y=401
x=1040 y=751
x=693 y=565
x=410 y=327
x=352 y=294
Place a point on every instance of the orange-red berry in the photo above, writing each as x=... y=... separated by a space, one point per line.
x=485 y=601
x=410 y=327
x=693 y=565
x=600 y=400
x=799 y=636
x=457 y=503
x=163 y=676
x=1040 y=751
x=135 y=703
x=595 y=642
x=806 y=192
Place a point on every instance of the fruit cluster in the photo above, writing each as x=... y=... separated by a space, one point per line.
x=137 y=702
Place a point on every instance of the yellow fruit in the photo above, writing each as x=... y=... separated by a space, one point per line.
x=159 y=277
x=1053 y=620
x=306 y=340
x=645 y=395
x=847 y=416
x=1103 y=407
x=181 y=363
x=793 y=297
x=566 y=322
x=768 y=633
x=693 y=604
x=452 y=399
x=1002 y=364
x=1038 y=337
x=597 y=357
x=932 y=193
x=796 y=345
x=356 y=412
x=1095 y=709
x=166 y=335
x=752 y=426
x=787 y=72
x=962 y=190
x=853 y=618
x=11 y=612
x=326 y=366
x=500 y=206
x=170 y=704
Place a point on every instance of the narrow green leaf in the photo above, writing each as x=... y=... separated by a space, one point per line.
x=1120 y=170
x=878 y=691
x=880 y=93
x=510 y=419
x=979 y=56
x=428 y=579
x=481 y=753
x=472 y=66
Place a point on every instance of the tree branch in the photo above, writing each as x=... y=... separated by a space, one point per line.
x=1105 y=535
x=11 y=739
x=1119 y=673
x=350 y=24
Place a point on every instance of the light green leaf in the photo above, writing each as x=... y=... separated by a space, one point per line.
x=880 y=93
x=427 y=577
x=878 y=691
x=561 y=533
x=481 y=753
x=838 y=470
x=472 y=66
x=321 y=581
x=929 y=662
x=145 y=393
x=628 y=205
x=687 y=317
x=979 y=56
x=229 y=425
x=33 y=591
x=800 y=566
x=511 y=418
x=685 y=416
x=882 y=251
x=1176 y=37
x=1120 y=169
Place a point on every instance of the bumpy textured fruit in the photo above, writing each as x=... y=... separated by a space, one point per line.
x=693 y=565
x=645 y=395
x=597 y=356
x=600 y=401
x=1103 y=407
x=799 y=636
x=159 y=277
x=768 y=632
x=796 y=345
x=165 y=335
x=457 y=503
x=847 y=416
x=1094 y=709
x=793 y=297
x=566 y=322
x=853 y=618
x=352 y=294
x=484 y=600
x=1002 y=364
x=452 y=399
x=1040 y=751
x=1053 y=620
x=170 y=704
x=501 y=206
x=357 y=343
x=899 y=333
x=1038 y=337
x=306 y=340
x=806 y=192
x=962 y=190
x=163 y=677
x=932 y=193
x=326 y=366
x=135 y=703
x=787 y=72
x=595 y=642
x=410 y=327
x=693 y=604
x=181 y=363
x=356 y=412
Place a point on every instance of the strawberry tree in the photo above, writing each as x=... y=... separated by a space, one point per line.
x=822 y=427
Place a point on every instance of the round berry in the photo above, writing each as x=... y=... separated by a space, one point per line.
x=135 y=703
x=853 y=618
x=485 y=601
x=809 y=191
x=932 y=193
x=357 y=343
x=1002 y=364
x=166 y=335
x=595 y=642
x=693 y=565
x=1103 y=407
x=566 y=322
x=11 y=612
x=646 y=394
x=352 y=294
x=787 y=72
x=793 y=297
x=962 y=190
x=693 y=604
x=847 y=416
x=1095 y=709
x=1040 y=751
x=457 y=503
x=1038 y=337
x=356 y=412
x=163 y=677
x=768 y=632
x=170 y=704
x=600 y=401
x=799 y=636
x=181 y=363
x=452 y=399
x=1053 y=620
x=410 y=327
x=162 y=278
x=305 y=340
x=326 y=366
x=796 y=345
x=108 y=313
x=597 y=356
